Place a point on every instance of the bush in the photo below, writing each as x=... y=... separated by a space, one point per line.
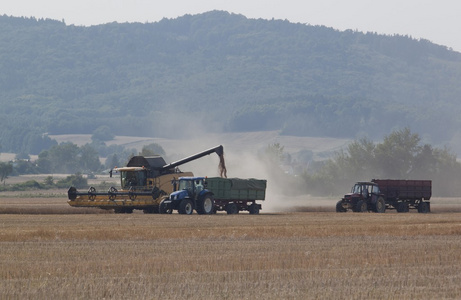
x=76 y=180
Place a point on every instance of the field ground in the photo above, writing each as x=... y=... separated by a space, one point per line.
x=52 y=251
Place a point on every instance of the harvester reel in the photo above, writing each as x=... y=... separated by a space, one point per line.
x=131 y=194
x=91 y=193
x=112 y=193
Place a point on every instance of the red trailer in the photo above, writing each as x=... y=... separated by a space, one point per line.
x=381 y=194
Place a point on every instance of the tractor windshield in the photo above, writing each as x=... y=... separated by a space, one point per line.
x=185 y=185
x=357 y=189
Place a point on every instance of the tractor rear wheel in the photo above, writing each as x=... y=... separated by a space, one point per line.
x=186 y=207
x=380 y=205
x=206 y=205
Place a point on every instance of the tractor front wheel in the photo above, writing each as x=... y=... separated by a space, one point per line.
x=186 y=207
x=340 y=207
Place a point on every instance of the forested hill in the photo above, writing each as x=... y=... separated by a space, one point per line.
x=219 y=71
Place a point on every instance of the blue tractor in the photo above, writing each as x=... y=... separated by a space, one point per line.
x=190 y=193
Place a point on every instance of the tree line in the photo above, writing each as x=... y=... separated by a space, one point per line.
x=401 y=155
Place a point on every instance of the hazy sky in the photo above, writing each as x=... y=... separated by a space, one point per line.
x=436 y=20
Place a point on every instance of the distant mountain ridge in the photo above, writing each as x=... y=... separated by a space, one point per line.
x=217 y=72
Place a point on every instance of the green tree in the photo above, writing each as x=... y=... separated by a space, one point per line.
x=102 y=133
x=152 y=149
x=89 y=159
x=5 y=170
x=69 y=158
x=399 y=156
x=396 y=155
x=275 y=153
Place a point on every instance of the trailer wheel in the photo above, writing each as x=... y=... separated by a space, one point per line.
x=361 y=206
x=254 y=209
x=186 y=207
x=402 y=207
x=340 y=207
x=232 y=209
x=206 y=205
x=380 y=205
x=424 y=208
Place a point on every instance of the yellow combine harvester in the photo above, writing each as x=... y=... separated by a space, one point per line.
x=145 y=182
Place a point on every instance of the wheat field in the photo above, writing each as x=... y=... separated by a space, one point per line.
x=52 y=251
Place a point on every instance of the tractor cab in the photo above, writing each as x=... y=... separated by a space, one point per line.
x=363 y=197
x=191 y=185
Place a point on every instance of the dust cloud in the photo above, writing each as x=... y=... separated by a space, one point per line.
x=184 y=134
x=244 y=160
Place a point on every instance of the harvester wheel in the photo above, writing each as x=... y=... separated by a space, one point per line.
x=424 y=207
x=380 y=205
x=186 y=207
x=340 y=207
x=150 y=210
x=254 y=209
x=361 y=206
x=232 y=209
x=206 y=205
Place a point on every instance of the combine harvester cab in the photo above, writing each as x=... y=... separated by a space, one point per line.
x=144 y=182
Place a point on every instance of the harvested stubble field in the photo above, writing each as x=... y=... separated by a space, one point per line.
x=52 y=251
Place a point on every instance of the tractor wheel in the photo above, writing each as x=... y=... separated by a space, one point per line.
x=206 y=205
x=186 y=207
x=339 y=207
x=164 y=209
x=232 y=209
x=380 y=205
x=361 y=206
x=254 y=209
x=424 y=207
